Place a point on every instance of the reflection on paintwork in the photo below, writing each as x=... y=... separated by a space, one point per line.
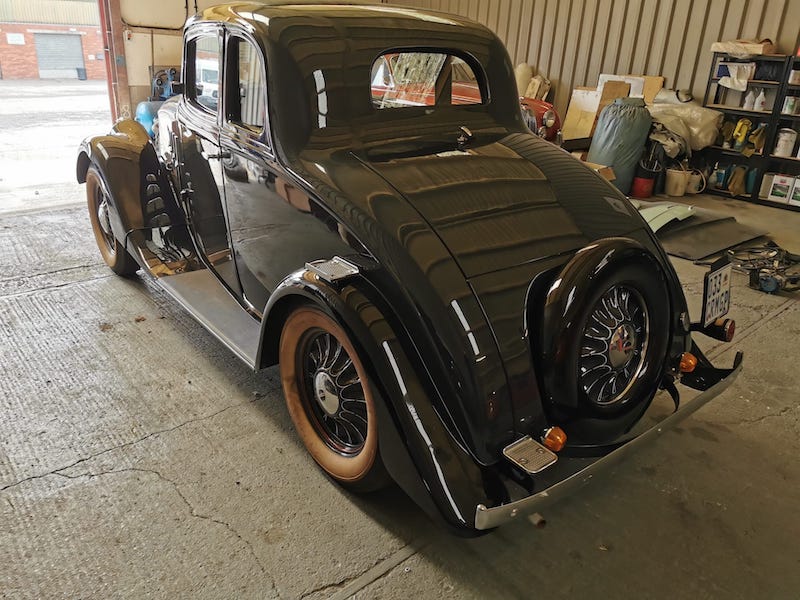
x=492 y=208
x=421 y=429
x=465 y=325
x=202 y=174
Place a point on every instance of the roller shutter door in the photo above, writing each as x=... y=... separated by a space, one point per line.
x=60 y=55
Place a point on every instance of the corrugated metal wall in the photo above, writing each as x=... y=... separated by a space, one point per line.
x=573 y=41
x=60 y=12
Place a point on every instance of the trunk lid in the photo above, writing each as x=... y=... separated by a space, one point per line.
x=507 y=202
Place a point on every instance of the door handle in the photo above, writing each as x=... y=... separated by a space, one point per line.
x=223 y=154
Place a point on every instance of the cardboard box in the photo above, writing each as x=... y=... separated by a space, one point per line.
x=602 y=170
x=794 y=198
x=782 y=188
x=581 y=113
x=743 y=47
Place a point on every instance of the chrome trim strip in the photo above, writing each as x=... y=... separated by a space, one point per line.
x=488 y=518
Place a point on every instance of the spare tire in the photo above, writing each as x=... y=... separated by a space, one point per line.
x=605 y=335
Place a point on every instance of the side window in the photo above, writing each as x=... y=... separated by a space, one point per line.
x=204 y=54
x=246 y=96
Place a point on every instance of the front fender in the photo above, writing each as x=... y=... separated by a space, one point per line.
x=133 y=176
x=418 y=450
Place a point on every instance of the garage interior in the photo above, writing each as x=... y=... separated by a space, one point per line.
x=140 y=458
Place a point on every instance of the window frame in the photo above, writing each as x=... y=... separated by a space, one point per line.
x=190 y=62
x=235 y=37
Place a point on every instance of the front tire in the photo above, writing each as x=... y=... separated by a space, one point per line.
x=330 y=399
x=114 y=254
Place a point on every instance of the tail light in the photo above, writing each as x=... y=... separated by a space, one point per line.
x=688 y=362
x=554 y=438
x=721 y=329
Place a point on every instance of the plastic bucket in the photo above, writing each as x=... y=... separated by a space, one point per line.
x=696 y=182
x=677 y=180
x=642 y=187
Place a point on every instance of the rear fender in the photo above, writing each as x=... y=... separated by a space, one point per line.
x=139 y=190
x=417 y=449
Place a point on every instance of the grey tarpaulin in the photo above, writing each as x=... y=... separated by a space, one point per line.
x=619 y=139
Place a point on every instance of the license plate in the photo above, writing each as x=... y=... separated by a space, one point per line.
x=717 y=292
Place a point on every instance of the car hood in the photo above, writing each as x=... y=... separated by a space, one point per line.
x=506 y=202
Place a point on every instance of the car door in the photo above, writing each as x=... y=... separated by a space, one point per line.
x=201 y=159
x=276 y=227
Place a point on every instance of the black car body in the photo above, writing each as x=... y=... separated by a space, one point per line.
x=464 y=258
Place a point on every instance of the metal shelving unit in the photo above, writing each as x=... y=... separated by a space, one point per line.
x=765 y=162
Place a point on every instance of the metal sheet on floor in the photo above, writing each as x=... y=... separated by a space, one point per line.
x=704 y=234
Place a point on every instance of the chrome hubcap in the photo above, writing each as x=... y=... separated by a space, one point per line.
x=326 y=393
x=335 y=393
x=613 y=345
x=621 y=346
x=104 y=219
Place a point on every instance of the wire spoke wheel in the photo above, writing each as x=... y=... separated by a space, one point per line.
x=334 y=393
x=330 y=399
x=613 y=345
x=99 y=204
x=103 y=219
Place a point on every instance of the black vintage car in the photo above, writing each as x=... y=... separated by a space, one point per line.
x=455 y=304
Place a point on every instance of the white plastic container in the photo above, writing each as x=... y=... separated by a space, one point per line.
x=749 y=101
x=761 y=101
x=766 y=185
x=786 y=141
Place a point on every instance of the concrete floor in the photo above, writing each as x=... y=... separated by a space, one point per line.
x=138 y=458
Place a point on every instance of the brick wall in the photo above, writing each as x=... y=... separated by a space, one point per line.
x=19 y=61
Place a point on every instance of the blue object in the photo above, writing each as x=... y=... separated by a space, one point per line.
x=160 y=90
x=619 y=139
x=146 y=114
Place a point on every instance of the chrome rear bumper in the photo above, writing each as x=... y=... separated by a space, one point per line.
x=488 y=518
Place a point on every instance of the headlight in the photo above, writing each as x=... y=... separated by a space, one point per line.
x=549 y=119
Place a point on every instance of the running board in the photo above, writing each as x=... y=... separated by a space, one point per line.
x=207 y=300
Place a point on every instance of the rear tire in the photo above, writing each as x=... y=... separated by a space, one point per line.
x=114 y=254
x=330 y=399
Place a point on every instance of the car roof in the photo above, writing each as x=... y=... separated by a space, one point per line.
x=258 y=14
x=328 y=48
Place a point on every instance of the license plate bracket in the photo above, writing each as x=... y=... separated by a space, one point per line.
x=717 y=291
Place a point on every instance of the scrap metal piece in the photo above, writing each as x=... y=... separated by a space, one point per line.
x=659 y=214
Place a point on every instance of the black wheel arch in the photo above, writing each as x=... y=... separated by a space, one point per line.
x=129 y=167
x=567 y=301
x=418 y=450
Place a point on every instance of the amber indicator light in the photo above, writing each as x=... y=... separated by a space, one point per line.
x=554 y=439
x=688 y=362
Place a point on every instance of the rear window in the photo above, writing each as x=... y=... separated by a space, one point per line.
x=402 y=79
